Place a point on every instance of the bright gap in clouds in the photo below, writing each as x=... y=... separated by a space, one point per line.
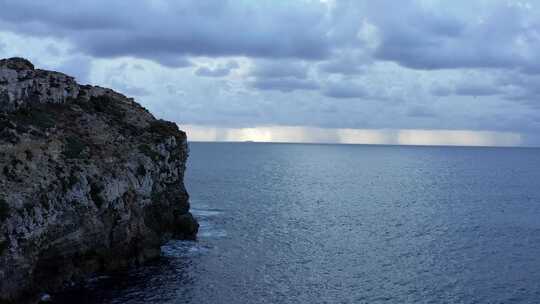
x=354 y=136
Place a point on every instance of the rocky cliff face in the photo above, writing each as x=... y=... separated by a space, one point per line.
x=89 y=181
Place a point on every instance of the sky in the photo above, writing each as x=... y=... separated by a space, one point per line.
x=427 y=72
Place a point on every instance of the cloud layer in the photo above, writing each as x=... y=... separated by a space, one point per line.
x=338 y=64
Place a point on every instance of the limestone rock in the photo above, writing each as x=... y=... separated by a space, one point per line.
x=89 y=181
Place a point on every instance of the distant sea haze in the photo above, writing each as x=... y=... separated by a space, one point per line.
x=289 y=223
x=356 y=136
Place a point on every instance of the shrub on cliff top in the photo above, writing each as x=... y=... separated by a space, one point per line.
x=35 y=117
x=107 y=104
x=163 y=128
x=73 y=147
x=17 y=63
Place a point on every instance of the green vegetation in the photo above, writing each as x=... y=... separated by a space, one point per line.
x=35 y=117
x=164 y=128
x=73 y=148
x=108 y=105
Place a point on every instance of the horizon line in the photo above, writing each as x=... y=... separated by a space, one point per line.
x=356 y=144
x=391 y=137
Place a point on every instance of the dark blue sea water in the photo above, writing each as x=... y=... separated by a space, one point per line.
x=290 y=223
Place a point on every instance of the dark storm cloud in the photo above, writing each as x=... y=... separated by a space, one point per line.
x=281 y=75
x=340 y=54
x=72 y=16
x=163 y=31
x=498 y=36
x=170 y=60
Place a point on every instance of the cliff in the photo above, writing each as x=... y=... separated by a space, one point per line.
x=90 y=181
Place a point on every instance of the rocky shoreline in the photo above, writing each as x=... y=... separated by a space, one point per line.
x=90 y=181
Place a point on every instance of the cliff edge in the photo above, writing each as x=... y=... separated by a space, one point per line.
x=90 y=181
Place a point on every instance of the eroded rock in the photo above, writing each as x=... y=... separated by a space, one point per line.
x=90 y=181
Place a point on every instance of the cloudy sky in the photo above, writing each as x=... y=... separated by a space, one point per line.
x=464 y=72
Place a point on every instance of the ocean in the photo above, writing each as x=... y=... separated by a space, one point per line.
x=307 y=223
